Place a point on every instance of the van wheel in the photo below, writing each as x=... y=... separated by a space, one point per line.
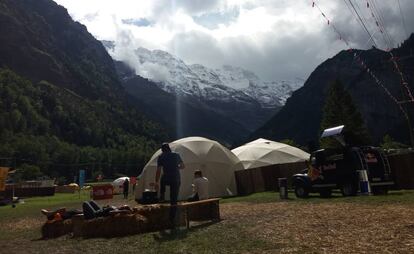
x=301 y=191
x=348 y=189
x=326 y=193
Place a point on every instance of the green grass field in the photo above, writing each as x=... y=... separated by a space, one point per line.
x=250 y=224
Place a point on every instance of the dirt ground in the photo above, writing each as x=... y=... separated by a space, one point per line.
x=327 y=228
x=294 y=226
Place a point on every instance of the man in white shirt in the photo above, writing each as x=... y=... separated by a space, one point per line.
x=200 y=187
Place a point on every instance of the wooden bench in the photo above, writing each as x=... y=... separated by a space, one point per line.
x=203 y=210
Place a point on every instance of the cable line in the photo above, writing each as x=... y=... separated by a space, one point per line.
x=363 y=24
x=403 y=19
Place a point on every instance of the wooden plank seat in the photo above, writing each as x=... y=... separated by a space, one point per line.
x=203 y=210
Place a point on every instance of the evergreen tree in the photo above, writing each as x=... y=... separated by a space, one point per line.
x=339 y=109
x=389 y=143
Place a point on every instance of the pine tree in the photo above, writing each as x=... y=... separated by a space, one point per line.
x=339 y=109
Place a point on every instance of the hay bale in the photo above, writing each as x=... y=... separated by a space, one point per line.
x=143 y=219
x=158 y=216
x=112 y=226
x=57 y=228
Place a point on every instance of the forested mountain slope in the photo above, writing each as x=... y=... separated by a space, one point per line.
x=63 y=107
x=300 y=118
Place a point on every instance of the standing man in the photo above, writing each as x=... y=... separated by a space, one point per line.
x=125 y=187
x=170 y=163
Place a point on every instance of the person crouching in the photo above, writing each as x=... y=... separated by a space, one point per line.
x=200 y=187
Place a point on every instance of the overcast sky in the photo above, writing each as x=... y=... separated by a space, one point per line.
x=277 y=39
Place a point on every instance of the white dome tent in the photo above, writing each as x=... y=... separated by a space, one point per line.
x=215 y=161
x=263 y=152
x=119 y=184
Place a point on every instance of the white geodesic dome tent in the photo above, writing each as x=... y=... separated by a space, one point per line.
x=119 y=184
x=263 y=152
x=215 y=161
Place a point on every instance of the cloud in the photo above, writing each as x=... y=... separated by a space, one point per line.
x=191 y=7
x=137 y=22
x=212 y=20
x=275 y=39
x=153 y=71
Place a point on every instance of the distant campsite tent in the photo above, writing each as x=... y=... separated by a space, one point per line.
x=119 y=184
x=263 y=152
x=215 y=161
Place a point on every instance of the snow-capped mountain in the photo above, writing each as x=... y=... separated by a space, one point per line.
x=231 y=93
x=226 y=84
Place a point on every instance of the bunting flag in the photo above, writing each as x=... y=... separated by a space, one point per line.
x=367 y=69
x=388 y=41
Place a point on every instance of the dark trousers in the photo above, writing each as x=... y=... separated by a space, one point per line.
x=174 y=190
x=91 y=210
x=193 y=198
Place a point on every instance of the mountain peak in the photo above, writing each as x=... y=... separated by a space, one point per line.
x=201 y=82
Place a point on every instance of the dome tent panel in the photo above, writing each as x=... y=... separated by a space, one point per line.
x=262 y=152
x=215 y=161
x=118 y=184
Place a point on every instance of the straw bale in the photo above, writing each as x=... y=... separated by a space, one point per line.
x=158 y=216
x=56 y=229
x=113 y=226
x=142 y=219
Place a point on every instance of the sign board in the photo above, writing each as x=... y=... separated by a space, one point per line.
x=332 y=131
x=81 y=178
x=102 y=191
x=3 y=176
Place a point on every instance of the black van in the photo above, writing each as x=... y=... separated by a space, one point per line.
x=330 y=169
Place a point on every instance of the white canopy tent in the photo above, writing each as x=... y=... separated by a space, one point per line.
x=263 y=152
x=215 y=161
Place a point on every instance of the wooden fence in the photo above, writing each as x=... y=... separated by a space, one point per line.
x=27 y=191
x=402 y=167
x=265 y=178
